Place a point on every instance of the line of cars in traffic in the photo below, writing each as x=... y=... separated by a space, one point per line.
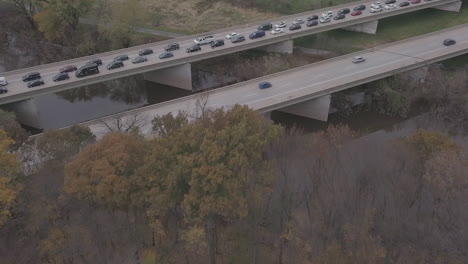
x=34 y=79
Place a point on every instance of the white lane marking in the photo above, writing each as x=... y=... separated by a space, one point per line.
x=249 y=95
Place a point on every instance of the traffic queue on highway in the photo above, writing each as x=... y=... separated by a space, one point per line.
x=34 y=79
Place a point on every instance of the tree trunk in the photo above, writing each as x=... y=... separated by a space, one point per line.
x=211 y=234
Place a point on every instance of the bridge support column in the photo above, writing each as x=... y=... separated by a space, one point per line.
x=317 y=108
x=367 y=27
x=418 y=75
x=453 y=7
x=280 y=47
x=178 y=76
x=27 y=113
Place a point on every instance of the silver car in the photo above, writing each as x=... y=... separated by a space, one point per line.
x=358 y=59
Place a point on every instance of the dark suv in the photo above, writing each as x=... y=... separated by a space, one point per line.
x=115 y=65
x=31 y=76
x=217 y=43
x=121 y=58
x=145 y=52
x=193 y=48
x=237 y=39
x=172 y=46
x=257 y=34
x=68 y=68
x=265 y=27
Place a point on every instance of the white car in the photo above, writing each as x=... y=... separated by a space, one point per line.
x=298 y=21
x=376 y=5
x=326 y=14
x=204 y=40
x=358 y=59
x=3 y=81
x=231 y=35
x=276 y=31
x=325 y=19
x=390 y=6
x=281 y=24
x=375 y=10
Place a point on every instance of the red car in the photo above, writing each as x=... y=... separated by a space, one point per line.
x=415 y=1
x=356 y=13
x=68 y=68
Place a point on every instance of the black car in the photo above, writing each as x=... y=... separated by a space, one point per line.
x=295 y=27
x=449 y=42
x=35 y=83
x=339 y=17
x=237 y=39
x=139 y=59
x=88 y=69
x=68 y=68
x=98 y=62
x=61 y=77
x=31 y=76
x=166 y=55
x=257 y=34
x=3 y=90
x=344 y=11
x=405 y=3
x=121 y=58
x=312 y=23
x=359 y=8
x=265 y=27
x=217 y=43
x=193 y=48
x=313 y=17
x=387 y=2
x=115 y=65
x=144 y=52
x=172 y=46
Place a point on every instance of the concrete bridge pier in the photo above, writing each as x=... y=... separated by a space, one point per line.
x=317 y=108
x=367 y=27
x=453 y=7
x=280 y=47
x=178 y=76
x=27 y=113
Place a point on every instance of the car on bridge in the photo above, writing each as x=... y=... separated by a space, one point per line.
x=193 y=48
x=115 y=65
x=339 y=17
x=166 y=55
x=145 y=52
x=257 y=34
x=172 y=47
x=217 y=43
x=294 y=27
x=403 y=4
x=264 y=85
x=390 y=6
x=265 y=27
x=356 y=13
x=344 y=11
x=98 y=62
x=415 y=1
x=121 y=58
x=35 y=83
x=312 y=17
x=281 y=24
x=298 y=21
x=449 y=42
x=204 y=40
x=276 y=31
x=238 y=38
x=86 y=70
x=359 y=8
x=31 y=76
x=139 y=59
x=3 y=84
x=69 y=68
x=387 y=2
x=231 y=35
x=358 y=59
x=325 y=20
x=61 y=77
x=312 y=23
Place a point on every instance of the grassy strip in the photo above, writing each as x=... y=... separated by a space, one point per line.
x=389 y=30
